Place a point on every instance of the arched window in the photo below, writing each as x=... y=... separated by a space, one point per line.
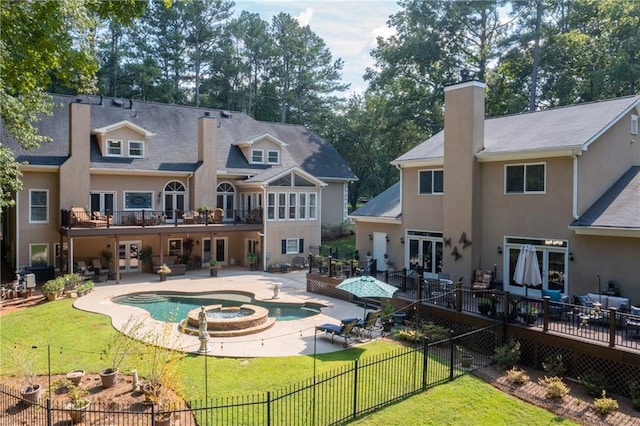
x=174 y=199
x=226 y=199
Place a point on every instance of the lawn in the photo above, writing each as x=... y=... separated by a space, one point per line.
x=76 y=339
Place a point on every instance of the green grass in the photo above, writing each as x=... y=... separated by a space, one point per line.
x=344 y=245
x=77 y=338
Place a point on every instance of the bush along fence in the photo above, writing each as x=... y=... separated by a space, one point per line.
x=334 y=397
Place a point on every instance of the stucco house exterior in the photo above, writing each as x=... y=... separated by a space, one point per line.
x=120 y=175
x=565 y=180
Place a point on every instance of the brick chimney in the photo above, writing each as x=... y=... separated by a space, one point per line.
x=205 y=178
x=463 y=139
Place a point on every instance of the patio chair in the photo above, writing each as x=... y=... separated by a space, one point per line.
x=217 y=215
x=483 y=279
x=370 y=324
x=101 y=274
x=80 y=217
x=343 y=330
x=632 y=322
x=254 y=216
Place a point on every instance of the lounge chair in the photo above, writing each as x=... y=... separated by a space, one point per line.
x=101 y=274
x=370 y=324
x=217 y=215
x=254 y=216
x=343 y=330
x=80 y=218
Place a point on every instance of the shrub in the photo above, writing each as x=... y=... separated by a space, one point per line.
x=408 y=335
x=517 y=376
x=53 y=286
x=507 y=355
x=594 y=382
x=605 y=405
x=634 y=390
x=434 y=333
x=554 y=366
x=555 y=387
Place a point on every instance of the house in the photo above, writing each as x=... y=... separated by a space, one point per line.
x=565 y=180
x=121 y=175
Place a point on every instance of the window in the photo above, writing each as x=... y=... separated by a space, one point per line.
x=525 y=178
x=302 y=210
x=271 y=206
x=138 y=200
x=293 y=246
x=136 y=149
x=282 y=206
x=431 y=182
x=634 y=124
x=38 y=211
x=292 y=206
x=114 y=148
x=175 y=247
x=257 y=156
x=312 y=206
x=38 y=254
x=273 y=157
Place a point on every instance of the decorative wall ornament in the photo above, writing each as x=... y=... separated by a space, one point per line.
x=447 y=242
x=463 y=240
x=455 y=253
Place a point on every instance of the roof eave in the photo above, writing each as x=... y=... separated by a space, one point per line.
x=378 y=219
x=420 y=162
x=487 y=157
x=138 y=172
x=606 y=231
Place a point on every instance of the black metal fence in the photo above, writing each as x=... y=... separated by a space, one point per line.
x=334 y=397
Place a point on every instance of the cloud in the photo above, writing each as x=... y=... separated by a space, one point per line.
x=304 y=18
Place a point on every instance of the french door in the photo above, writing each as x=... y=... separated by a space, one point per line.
x=174 y=199
x=128 y=256
x=552 y=260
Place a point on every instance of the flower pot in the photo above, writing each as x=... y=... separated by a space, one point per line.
x=484 y=309
x=151 y=391
x=78 y=411
x=164 y=420
x=109 y=377
x=51 y=297
x=75 y=376
x=213 y=272
x=163 y=277
x=30 y=394
x=399 y=317
x=529 y=319
x=387 y=325
x=466 y=360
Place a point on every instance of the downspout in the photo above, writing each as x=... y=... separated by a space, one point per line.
x=404 y=231
x=576 y=216
x=189 y=190
x=263 y=237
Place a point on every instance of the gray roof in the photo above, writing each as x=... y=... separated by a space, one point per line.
x=619 y=207
x=384 y=205
x=556 y=128
x=174 y=145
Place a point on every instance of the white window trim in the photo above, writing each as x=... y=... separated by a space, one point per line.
x=272 y=204
x=313 y=207
x=31 y=252
x=102 y=194
x=283 y=206
x=256 y=151
x=634 y=124
x=277 y=153
x=524 y=188
x=297 y=250
x=433 y=192
x=302 y=207
x=46 y=220
x=169 y=247
x=141 y=149
x=124 y=200
x=108 y=146
x=293 y=206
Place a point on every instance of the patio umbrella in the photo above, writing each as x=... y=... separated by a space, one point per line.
x=527 y=270
x=366 y=286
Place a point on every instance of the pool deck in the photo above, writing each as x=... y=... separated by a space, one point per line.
x=285 y=338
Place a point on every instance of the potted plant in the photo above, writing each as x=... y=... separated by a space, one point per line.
x=213 y=268
x=163 y=271
x=107 y=256
x=26 y=363
x=484 y=305
x=118 y=347
x=386 y=317
x=253 y=259
x=465 y=357
x=145 y=255
x=52 y=288
x=78 y=403
x=75 y=376
x=530 y=313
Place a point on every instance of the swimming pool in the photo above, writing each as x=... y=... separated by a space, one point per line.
x=174 y=307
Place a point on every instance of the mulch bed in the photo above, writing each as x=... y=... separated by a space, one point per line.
x=576 y=405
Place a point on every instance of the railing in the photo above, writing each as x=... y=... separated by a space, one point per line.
x=145 y=218
x=336 y=268
x=334 y=397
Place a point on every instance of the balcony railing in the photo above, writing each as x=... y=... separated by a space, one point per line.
x=79 y=218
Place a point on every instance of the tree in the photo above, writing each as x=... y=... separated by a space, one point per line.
x=42 y=43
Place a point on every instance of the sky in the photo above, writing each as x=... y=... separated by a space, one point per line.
x=348 y=27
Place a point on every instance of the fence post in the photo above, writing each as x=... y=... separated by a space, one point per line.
x=612 y=327
x=459 y=295
x=418 y=280
x=49 y=419
x=269 y=407
x=425 y=361
x=404 y=279
x=310 y=262
x=545 y=313
x=451 y=348
x=355 y=389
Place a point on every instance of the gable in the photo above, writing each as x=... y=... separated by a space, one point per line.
x=263 y=149
x=122 y=139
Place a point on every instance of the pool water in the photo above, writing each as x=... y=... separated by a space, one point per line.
x=172 y=307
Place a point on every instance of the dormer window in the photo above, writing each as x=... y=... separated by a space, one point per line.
x=136 y=149
x=273 y=157
x=114 y=148
x=257 y=156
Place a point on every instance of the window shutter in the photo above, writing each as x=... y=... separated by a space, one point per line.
x=301 y=245
x=284 y=246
